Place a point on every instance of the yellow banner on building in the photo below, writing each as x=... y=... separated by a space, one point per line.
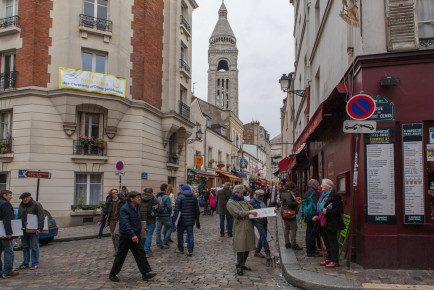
x=91 y=82
x=198 y=161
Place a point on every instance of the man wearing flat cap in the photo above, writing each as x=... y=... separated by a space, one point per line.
x=30 y=240
x=222 y=199
x=130 y=227
x=261 y=225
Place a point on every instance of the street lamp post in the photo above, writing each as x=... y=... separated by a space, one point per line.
x=287 y=86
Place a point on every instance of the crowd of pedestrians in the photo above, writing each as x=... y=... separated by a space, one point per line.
x=134 y=217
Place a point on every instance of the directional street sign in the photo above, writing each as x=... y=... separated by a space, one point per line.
x=38 y=174
x=361 y=107
x=355 y=126
x=119 y=165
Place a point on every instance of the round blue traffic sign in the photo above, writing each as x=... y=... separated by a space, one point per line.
x=361 y=107
x=120 y=165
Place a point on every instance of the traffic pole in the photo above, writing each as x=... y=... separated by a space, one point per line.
x=37 y=190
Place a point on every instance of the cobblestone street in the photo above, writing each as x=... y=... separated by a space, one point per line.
x=85 y=264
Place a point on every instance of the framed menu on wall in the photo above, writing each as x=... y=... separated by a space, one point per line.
x=380 y=176
x=412 y=147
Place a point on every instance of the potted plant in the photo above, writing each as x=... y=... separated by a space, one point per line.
x=228 y=166
x=220 y=164
x=99 y=142
x=211 y=161
x=86 y=140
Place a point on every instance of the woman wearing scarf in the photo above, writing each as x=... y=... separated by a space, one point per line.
x=288 y=201
x=244 y=235
x=329 y=214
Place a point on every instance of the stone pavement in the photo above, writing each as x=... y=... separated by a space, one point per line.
x=305 y=272
x=85 y=264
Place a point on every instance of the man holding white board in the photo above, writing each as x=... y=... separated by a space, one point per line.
x=6 y=216
x=30 y=238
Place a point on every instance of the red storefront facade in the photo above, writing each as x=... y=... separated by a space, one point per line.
x=393 y=212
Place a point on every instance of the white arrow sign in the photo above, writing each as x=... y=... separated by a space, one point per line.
x=355 y=126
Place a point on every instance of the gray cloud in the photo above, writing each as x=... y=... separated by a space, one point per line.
x=263 y=29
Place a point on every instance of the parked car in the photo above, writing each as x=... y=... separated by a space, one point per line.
x=43 y=238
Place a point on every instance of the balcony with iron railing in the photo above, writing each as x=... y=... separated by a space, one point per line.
x=8 y=81
x=98 y=24
x=172 y=159
x=9 y=22
x=92 y=149
x=6 y=146
x=184 y=110
x=185 y=25
x=185 y=68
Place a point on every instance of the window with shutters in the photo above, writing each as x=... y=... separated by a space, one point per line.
x=425 y=23
x=401 y=25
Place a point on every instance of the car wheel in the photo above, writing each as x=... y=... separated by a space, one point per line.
x=16 y=244
x=46 y=241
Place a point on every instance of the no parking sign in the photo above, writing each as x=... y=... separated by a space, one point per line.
x=361 y=107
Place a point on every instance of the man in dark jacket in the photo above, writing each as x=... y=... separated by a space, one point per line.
x=222 y=198
x=188 y=207
x=110 y=214
x=30 y=241
x=7 y=215
x=261 y=225
x=312 y=226
x=129 y=231
x=164 y=219
x=147 y=197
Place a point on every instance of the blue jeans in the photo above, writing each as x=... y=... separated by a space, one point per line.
x=189 y=239
x=262 y=242
x=206 y=209
x=30 y=244
x=6 y=246
x=229 y=221
x=149 y=234
x=167 y=223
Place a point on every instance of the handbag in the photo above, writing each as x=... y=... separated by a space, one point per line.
x=288 y=213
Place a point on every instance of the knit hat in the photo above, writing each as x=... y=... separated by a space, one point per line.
x=185 y=187
x=24 y=195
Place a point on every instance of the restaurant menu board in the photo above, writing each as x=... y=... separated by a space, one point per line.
x=380 y=175
x=412 y=147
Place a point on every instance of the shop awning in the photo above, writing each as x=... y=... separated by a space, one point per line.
x=228 y=175
x=283 y=164
x=276 y=173
x=205 y=173
x=241 y=175
x=310 y=128
x=292 y=163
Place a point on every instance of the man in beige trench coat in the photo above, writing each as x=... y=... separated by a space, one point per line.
x=244 y=235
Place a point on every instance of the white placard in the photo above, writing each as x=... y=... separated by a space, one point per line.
x=91 y=82
x=32 y=222
x=413 y=178
x=17 y=230
x=381 y=179
x=263 y=212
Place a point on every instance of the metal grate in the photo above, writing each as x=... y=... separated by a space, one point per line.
x=8 y=80
x=184 y=110
x=90 y=149
x=95 y=23
x=9 y=22
x=185 y=66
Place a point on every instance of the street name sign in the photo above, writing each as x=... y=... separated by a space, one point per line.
x=120 y=173
x=361 y=107
x=38 y=174
x=354 y=126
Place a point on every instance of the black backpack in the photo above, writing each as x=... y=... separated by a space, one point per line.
x=154 y=208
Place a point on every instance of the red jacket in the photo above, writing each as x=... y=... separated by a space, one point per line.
x=211 y=200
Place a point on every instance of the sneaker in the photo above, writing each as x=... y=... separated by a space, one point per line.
x=230 y=235
x=222 y=235
x=332 y=265
x=33 y=267
x=178 y=251
x=11 y=274
x=148 y=276
x=114 y=278
x=165 y=246
x=296 y=247
x=189 y=254
x=259 y=255
x=288 y=245
x=323 y=263
x=21 y=267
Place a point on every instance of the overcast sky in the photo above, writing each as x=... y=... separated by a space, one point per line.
x=264 y=30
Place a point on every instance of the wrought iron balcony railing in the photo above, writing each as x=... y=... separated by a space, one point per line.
x=185 y=66
x=9 y=22
x=8 y=81
x=95 y=23
x=173 y=159
x=5 y=146
x=90 y=149
x=184 y=110
x=186 y=24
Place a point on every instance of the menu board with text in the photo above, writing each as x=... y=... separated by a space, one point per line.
x=412 y=147
x=380 y=176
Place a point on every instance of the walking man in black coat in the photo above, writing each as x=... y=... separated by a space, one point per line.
x=129 y=231
x=7 y=215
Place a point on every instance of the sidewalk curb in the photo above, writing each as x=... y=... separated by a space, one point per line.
x=78 y=238
x=304 y=279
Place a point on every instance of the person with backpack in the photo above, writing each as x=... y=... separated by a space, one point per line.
x=149 y=209
x=309 y=203
x=164 y=218
x=289 y=203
